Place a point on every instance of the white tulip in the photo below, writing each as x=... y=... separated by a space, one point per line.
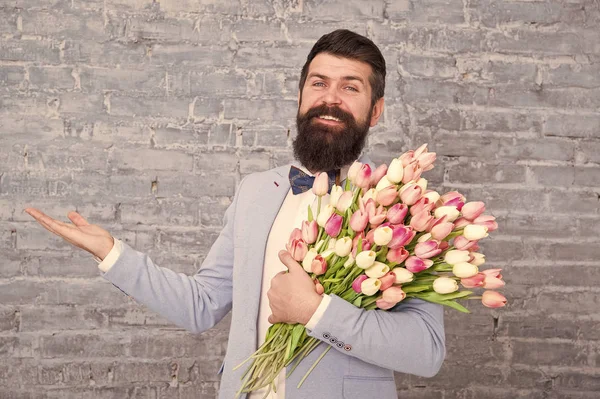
x=456 y=256
x=383 y=183
x=474 y=232
x=402 y=275
x=464 y=270
x=370 y=194
x=334 y=196
x=343 y=247
x=424 y=237
x=365 y=259
x=377 y=270
x=433 y=196
x=349 y=262
x=370 y=286
x=310 y=256
x=449 y=211
x=422 y=182
x=395 y=171
x=478 y=259
x=445 y=285
x=383 y=235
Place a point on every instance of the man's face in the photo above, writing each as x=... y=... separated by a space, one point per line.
x=334 y=112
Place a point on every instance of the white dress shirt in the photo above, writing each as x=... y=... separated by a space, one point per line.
x=293 y=211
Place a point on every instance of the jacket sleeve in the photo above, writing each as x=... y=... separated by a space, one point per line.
x=196 y=302
x=409 y=338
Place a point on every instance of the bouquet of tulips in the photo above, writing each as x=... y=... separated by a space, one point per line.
x=382 y=239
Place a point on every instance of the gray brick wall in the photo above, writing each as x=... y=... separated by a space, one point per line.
x=144 y=115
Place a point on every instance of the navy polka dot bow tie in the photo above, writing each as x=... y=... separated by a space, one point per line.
x=302 y=182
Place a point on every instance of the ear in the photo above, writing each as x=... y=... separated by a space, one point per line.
x=377 y=112
x=299 y=97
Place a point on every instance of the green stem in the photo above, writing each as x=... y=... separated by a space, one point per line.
x=313 y=366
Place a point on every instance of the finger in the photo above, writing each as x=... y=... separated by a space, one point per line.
x=286 y=258
x=271 y=319
x=320 y=289
x=77 y=219
x=64 y=230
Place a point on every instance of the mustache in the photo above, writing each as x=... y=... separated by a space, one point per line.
x=323 y=109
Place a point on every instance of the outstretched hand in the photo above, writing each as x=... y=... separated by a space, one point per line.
x=89 y=237
x=293 y=296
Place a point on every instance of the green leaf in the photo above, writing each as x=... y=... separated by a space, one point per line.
x=357 y=302
x=415 y=288
x=310 y=214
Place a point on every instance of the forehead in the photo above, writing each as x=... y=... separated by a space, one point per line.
x=335 y=67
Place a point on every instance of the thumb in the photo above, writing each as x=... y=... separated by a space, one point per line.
x=286 y=258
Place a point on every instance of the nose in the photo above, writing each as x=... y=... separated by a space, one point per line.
x=331 y=96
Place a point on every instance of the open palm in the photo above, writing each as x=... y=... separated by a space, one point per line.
x=89 y=237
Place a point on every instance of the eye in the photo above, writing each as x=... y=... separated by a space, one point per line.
x=351 y=88
x=319 y=84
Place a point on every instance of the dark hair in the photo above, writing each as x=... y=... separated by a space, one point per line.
x=347 y=44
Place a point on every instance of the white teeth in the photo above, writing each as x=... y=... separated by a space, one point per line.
x=331 y=118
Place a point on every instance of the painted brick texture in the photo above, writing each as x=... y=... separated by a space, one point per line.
x=144 y=116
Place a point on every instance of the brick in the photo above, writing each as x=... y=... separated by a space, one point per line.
x=205 y=161
x=18 y=105
x=485 y=173
x=558 y=176
x=548 y=353
x=153 y=107
x=306 y=31
x=572 y=126
x=559 y=303
x=432 y=91
x=588 y=176
x=159 y=212
x=29 y=50
x=134 y=316
x=174 y=137
x=207 y=108
x=531 y=225
x=221 y=83
x=254 y=161
x=10 y=320
x=51 y=78
x=578 y=381
x=488 y=147
x=502 y=393
x=536 y=42
x=499 y=199
x=436 y=12
x=534 y=97
x=589 y=151
x=260 y=109
x=492 y=14
x=503 y=121
x=443 y=67
x=276 y=136
x=443 y=40
x=251 y=30
x=222 y=134
x=54 y=318
x=65 y=345
x=147 y=80
x=150 y=159
x=333 y=10
x=190 y=55
x=190 y=345
x=189 y=242
x=584 y=76
x=11 y=76
x=107 y=54
x=587 y=227
x=569 y=251
x=276 y=57
x=60 y=24
x=588 y=202
x=201 y=6
x=212 y=210
x=81 y=103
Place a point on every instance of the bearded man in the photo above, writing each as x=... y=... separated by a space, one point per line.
x=340 y=97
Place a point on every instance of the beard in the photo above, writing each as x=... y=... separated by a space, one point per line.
x=323 y=148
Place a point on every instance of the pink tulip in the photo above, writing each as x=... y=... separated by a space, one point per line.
x=444 y=245
x=397 y=255
x=415 y=265
x=426 y=160
x=423 y=204
x=412 y=172
x=387 y=196
x=318 y=265
x=353 y=171
x=474 y=281
x=493 y=299
x=393 y=295
x=363 y=177
x=321 y=184
x=472 y=210
x=421 y=150
x=298 y=249
x=366 y=244
x=427 y=249
x=441 y=230
x=407 y=158
x=411 y=194
x=461 y=223
x=310 y=230
x=378 y=173
x=376 y=214
x=487 y=221
x=422 y=221
x=384 y=305
x=387 y=281
x=344 y=201
x=296 y=234
x=396 y=213
x=334 y=225
x=359 y=220
x=401 y=236
x=452 y=198
x=493 y=279
x=357 y=282
x=462 y=243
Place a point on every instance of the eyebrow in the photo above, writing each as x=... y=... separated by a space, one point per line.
x=350 y=77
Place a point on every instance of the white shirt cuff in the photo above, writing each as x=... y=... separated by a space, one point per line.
x=111 y=258
x=318 y=313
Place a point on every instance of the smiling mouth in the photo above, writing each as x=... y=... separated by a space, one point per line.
x=329 y=118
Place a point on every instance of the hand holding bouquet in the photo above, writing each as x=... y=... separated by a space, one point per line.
x=382 y=239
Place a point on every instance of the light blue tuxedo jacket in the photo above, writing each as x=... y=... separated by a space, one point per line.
x=367 y=345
